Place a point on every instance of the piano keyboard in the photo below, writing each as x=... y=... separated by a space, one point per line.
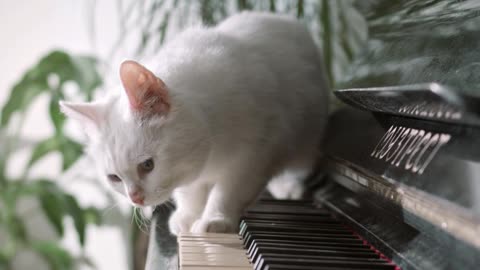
x=280 y=235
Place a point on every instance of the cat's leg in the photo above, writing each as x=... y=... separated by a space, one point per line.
x=289 y=184
x=190 y=202
x=227 y=200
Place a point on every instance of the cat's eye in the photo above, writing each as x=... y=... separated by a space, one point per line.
x=114 y=178
x=146 y=166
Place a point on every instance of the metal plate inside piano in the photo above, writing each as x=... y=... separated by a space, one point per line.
x=274 y=237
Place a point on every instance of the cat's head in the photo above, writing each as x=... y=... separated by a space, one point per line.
x=144 y=142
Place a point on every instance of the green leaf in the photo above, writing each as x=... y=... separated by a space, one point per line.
x=206 y=11
x=53 y=206
x=86 y=74
x=58 y=119
x=35 y=187
x=92 y=216
x=327 y=40
x=43 y=148
x=11 y=222
x=15 y=227
x=3 y=261
x=272 y=7
x=78 y=216
x=299 y=8
x=244 y=5
x=57 y=257
x=70 y=151
x=21 y=96
x=60 y=65
x=56 y=204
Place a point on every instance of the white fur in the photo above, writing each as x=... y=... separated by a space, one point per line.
x=249 y=101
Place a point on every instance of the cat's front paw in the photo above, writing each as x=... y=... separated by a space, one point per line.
x=180 y=222
x=218 y=224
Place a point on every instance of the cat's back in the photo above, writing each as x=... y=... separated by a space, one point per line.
x=279 y=42
x=268 y=31
x=252 y=26
x=284 y=45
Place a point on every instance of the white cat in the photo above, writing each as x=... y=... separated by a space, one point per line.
x=221 y=111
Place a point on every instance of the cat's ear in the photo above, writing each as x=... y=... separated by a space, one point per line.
x=89 y=115
x=147 y=94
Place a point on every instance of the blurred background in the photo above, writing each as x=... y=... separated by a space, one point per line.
x=54 y=212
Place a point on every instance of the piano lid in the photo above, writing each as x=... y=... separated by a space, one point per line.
x=430 y=101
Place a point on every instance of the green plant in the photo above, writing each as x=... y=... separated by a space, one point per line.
x=337 y=27
x=48 y=77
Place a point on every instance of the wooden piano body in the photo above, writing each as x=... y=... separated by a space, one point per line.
x=403 y=155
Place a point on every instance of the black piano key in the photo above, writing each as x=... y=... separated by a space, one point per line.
x=282 y=219
x=316 y=252
x=307 y=267
x=290 y=216
x=285 y=202
x=263 y=263
x=282 y=244
x=293 y=229
x=320 y=258
x=292 y=203
x=280 y=235
x=283 y=228
x=250 y=236
x=256 y=244
x=279 y=224
x=305 y=238
x=259 y=250
x=358 y=244
x=300 y=234
x=299 y=212
x=281 y=209
x=299 y=244
x=268 y=228
x=292 y=223
x=303 y=267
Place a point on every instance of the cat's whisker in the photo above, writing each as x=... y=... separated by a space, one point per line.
x=133 y=215
x=110 y=208
x=140 y=220
x=144 y=218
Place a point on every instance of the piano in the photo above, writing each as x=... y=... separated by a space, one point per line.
x=400 y=184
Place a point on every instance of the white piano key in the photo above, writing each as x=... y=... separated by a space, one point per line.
x=212 y=251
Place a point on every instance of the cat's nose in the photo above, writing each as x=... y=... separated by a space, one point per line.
x=137 y=197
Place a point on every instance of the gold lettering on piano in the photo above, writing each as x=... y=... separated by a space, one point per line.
x=409 y=148
x=431 y=110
